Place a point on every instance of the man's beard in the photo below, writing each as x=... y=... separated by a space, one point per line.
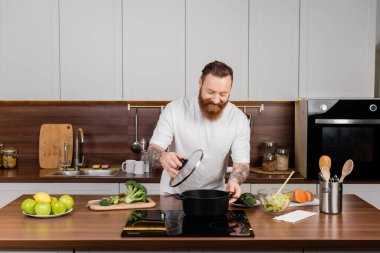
x=210 y=110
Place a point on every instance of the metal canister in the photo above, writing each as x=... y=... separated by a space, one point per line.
x=330 y=197
x=9 y=156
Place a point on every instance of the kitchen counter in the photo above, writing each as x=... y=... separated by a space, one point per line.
x=22 y=175
x=357 y=227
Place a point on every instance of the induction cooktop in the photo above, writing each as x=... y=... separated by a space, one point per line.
x=164 y=223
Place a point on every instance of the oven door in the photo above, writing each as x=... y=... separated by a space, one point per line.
x=343 y=139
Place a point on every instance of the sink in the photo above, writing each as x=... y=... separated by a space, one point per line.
x=84 y=172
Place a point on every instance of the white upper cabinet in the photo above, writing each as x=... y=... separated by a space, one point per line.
x=217 y=30
x=91 y=49
x=337 y=48
x=29 y=53
x=153 y=49
x=273 y=49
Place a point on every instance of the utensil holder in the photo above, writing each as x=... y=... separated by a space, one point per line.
x=330 y=197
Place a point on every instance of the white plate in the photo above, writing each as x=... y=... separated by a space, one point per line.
x=315 y=202
x=48 y=216
x=244 y=206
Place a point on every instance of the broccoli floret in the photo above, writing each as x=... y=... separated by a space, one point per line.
x=104 y=202
x=115 y=200
x=112 y=200
x=247 y=199
x=135 y=192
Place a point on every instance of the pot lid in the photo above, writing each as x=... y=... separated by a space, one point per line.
x=188 y=167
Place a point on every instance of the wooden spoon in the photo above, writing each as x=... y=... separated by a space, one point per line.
x=325 y=161
x=325 y=173
x=283 y=185
x=346 y=170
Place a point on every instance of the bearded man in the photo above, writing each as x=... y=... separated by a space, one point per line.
x=208 y=122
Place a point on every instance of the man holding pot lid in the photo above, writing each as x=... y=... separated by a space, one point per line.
x=208 y=122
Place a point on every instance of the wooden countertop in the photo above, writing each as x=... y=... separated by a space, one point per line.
x=357 y=227
x=36 y=175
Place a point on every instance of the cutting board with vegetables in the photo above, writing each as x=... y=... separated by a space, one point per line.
x=51 y=144
x=94 y=205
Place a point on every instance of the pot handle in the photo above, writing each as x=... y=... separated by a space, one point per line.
x=179 y=196
x=230 y=194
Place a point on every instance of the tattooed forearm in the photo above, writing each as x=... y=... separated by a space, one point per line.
x=240 y=173
x=154 y=154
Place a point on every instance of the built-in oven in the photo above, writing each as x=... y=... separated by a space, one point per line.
x=342 y=129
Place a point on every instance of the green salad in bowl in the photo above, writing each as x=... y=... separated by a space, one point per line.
x=272 y=203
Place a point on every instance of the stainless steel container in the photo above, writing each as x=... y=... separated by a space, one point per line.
x=330 y=197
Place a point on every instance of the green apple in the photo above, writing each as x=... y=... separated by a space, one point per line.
x=42 y=208
x=68 y=200
x=28 y=206
x=58 y=207
x=53 y=200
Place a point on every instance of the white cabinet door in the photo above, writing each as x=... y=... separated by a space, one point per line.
x=86 y=188
x=91 y=49
x=29 y=52
x=152 y=188
x=217 y=30
x=153 y=49
x=368 y=192
x=337 y=48
x=273 y=49
x=11 y=191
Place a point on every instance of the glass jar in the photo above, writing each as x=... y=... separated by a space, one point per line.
x=270 y=147
x=145 y=159
x=282 y=157
x=269 y=156
x=269 y=162
x=9 y=158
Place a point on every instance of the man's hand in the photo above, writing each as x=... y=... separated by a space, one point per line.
x=240 y=172
x=233 y=187
x=170 y=161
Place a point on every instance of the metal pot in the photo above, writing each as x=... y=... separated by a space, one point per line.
x=205 y=202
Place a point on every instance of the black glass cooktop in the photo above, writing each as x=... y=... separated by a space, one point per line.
x=159 y=223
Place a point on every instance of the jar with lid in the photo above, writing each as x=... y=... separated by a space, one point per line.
x=269 y=156
x=282 y=157
x=9 y=157
x=269 y=162
x=270 y=147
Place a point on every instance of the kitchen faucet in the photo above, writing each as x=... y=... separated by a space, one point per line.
x=79 y=140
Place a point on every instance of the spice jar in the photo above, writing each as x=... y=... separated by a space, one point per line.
x=9 y=158
x=282 y=157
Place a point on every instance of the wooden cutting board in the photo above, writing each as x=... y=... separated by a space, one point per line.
x=52 y=139
x=94 y=205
